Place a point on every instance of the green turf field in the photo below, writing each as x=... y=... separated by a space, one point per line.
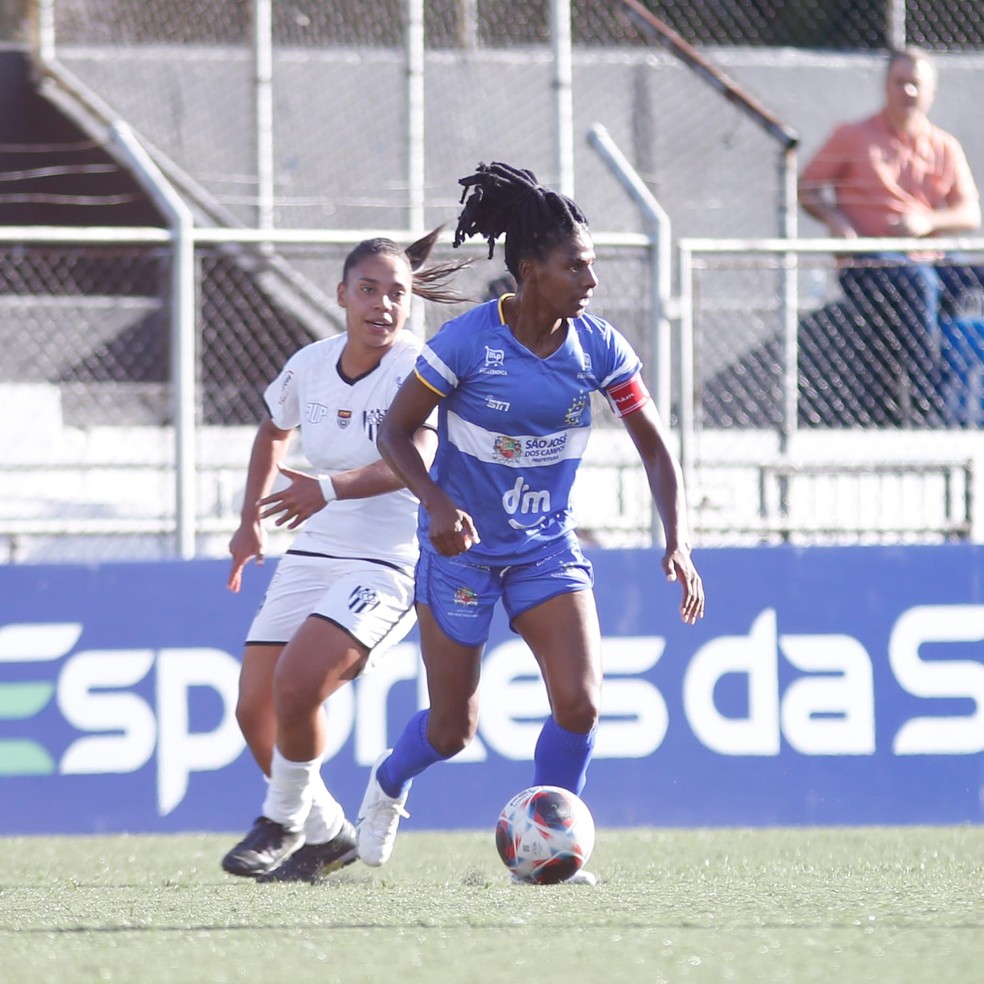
x=833 y=905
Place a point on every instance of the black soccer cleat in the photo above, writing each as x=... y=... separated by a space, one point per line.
x=263 y=849
x=313 y=861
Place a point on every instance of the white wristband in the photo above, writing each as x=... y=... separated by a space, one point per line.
x=327 y=488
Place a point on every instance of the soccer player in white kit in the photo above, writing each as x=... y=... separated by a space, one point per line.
x=512 y=380
x=343 y=593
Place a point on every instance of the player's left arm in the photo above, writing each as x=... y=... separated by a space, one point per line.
x=650 y=436
x=306 y=494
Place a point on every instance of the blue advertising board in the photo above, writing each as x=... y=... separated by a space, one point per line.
x=825 y=686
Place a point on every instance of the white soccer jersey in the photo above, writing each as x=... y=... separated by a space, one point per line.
x=339 y=420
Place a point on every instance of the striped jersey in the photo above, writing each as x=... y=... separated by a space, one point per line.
x=513 y=427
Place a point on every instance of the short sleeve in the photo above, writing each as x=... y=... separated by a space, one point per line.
x=963 y=188
x=828 y=163
x=282 y=398
x=439 y=363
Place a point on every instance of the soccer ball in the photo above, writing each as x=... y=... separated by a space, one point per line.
x=545 y=834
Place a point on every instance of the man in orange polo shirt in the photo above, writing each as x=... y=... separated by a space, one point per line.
x=897 y=174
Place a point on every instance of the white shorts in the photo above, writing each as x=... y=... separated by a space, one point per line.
x=373 y=602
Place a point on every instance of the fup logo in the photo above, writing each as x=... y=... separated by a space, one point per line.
x=122 y=731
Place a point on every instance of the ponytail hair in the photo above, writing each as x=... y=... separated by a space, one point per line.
x=431 y=283
x=507 y=200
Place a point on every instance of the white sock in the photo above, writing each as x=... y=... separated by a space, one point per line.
x=325 y=820
x=291 y=791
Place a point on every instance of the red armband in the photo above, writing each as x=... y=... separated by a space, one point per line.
x=627 y=397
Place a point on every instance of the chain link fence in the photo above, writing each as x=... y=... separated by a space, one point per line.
x=89 y=398
x=87 y=364
x=848 y=407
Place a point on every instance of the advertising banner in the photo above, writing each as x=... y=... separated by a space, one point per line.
x=824 y=686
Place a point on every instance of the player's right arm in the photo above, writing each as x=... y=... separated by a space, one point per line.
x=268 y=452
x=451 y=529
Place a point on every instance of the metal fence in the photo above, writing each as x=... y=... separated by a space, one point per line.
x=824 y=394
x=278 y=134
x=102 y=460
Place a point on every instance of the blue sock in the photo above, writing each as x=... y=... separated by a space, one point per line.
x=412 y=753
x=561 y=757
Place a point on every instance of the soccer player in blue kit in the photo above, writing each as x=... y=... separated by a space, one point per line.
x=512 y=380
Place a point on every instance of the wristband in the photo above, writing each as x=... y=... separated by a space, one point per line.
x=327 y=488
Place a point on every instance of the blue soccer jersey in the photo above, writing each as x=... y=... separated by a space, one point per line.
x=513 y=426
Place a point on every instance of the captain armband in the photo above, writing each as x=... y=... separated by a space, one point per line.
x=627 y=397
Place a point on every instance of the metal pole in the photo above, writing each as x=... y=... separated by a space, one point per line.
x=895 y=34
x=182 y=330
x=560 y=37
x=659 y=272
x=263 y=94
x=790 y=297
x=415 y=114
x=467 y=21
x=416 y=146
x=46 y=30
x=687 y=388
x=659 y=259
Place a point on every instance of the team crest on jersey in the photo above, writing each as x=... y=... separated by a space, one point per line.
x=371 y=419
x=466 y=596
x=507 y=448
x=573 y=416
x=285 y=385
x=343 y=418
x=363 y=600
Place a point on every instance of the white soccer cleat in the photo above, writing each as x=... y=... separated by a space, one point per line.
x=581 y=877
x=379 y=818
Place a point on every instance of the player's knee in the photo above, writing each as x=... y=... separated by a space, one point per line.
x=578 y=715
x=292 y=699
x=250 y=714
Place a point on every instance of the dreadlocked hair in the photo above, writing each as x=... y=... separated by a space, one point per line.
x=430 y=283
x=508 y=200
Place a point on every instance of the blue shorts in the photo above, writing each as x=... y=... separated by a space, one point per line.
x=462 y=595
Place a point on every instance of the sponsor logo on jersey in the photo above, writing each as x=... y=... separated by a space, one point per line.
x=523 y=500
x=285 y=385
x=371 y=419
x=343 y=418
x=493 y=404
x=316 y=412
x=494 y=361
x=573 y=416
x=507 y=448
x=363 y=600
x=466 y=596
x=545 y=449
